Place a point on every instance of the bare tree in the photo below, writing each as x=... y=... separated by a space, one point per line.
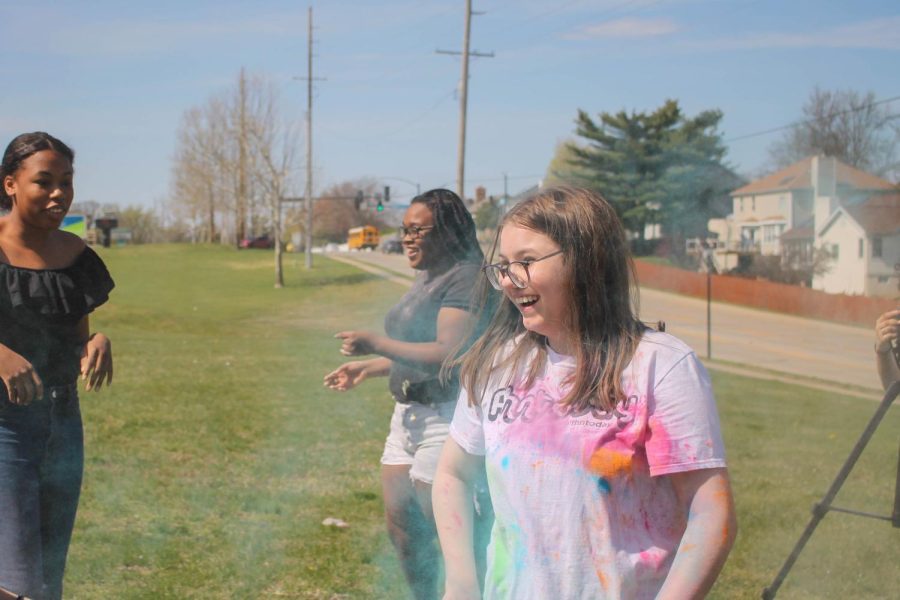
x=849 y=126
x=270 y=146
x=233 y=163
x=222 y=161
x=335 y=211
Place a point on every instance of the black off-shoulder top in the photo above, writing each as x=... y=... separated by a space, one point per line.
x=40 y=310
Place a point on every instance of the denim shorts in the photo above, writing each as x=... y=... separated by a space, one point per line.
x=417 y=435
x=41 y=465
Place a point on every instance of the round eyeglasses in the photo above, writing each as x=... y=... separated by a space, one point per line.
x=415 y=232
x=517 y=271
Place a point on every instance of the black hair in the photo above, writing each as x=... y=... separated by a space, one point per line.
x=454 y=228
x=22 y=147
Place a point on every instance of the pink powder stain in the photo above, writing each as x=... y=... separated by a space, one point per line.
x=653 y=559
x=542 y=430
x=659 y=444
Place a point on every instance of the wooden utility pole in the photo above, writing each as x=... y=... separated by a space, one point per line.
x=464 y=100
x=309 y=149
x=242 y=161
x=463 y=105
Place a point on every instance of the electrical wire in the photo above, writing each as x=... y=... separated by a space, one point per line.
x=809 y=121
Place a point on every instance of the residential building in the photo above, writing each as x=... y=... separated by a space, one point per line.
x=863 y=241
x=785 y=214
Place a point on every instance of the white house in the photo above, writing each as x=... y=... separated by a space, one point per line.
x=864 y=243
x=783 y=213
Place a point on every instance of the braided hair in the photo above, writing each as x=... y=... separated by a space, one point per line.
x=22 y=147
x=454 y=228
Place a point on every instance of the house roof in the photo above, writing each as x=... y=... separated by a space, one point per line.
x=877 y=215
x=798 y=176
x=804 y=231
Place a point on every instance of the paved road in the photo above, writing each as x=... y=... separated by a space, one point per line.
x=753 y=340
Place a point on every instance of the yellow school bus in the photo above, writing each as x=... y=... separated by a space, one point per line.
x=363 y=237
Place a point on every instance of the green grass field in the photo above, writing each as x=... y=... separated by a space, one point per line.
x=217 y=453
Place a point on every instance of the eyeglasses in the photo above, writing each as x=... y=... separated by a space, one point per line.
x=517 y=271
x=415 y=232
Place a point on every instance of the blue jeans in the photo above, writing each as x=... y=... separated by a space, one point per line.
x=41 y=464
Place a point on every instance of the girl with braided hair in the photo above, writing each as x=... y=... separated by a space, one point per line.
x=422 y=329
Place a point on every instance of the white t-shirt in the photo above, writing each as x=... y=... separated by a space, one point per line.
x=581 y=511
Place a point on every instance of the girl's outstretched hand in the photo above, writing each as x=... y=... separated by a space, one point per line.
x=356 y=343
x=96 y=362
x=22 y=382
x=347 y=376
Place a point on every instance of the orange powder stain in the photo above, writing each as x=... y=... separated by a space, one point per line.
x=604 y=583
x=609 y=464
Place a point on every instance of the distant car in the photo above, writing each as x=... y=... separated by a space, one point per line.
x=263 y=241
x=392 y=247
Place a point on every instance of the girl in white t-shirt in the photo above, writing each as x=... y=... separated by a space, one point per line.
x=600 y=437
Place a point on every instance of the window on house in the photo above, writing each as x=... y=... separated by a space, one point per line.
x=883 y=279
x=742 y=205
x=876 y=247
x=835 y=251
x=753 y=204
x=862 y=248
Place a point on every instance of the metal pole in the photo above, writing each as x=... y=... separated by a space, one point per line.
x=463 y=101
x=821 y=509
x=309 y=150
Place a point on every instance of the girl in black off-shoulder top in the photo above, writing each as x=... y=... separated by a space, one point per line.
x=49 y=283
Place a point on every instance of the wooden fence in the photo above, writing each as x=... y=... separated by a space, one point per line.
x=767 y=295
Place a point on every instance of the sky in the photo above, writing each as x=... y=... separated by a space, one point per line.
x=114 y=79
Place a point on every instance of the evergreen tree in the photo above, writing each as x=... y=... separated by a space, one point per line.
x=659 y=167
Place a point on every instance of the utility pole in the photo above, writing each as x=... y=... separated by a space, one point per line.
x=242 y=161
x=309 y=147
x=505 y=194
x=464 y=99
x=309 y=150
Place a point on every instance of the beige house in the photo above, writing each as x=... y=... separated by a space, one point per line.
x=786 y=213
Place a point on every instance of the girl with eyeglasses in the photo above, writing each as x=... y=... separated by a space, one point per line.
x=600 y=437
x=421 y=330
x=51 y=282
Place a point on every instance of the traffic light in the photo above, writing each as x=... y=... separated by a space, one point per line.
x=359 y=199
x=380 y=207
x=387 y=194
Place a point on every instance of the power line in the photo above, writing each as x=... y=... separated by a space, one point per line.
x=809 y=121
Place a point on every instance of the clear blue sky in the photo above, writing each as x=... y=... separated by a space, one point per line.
x=114 y=78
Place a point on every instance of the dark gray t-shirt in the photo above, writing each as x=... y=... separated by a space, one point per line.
x=414 y=319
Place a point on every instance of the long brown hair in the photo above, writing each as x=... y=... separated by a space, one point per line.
x=602 y=302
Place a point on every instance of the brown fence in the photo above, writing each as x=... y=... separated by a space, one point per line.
x=755 y=293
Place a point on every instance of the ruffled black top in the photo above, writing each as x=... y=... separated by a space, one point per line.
x=40 y=310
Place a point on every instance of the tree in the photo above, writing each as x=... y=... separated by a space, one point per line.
x=227 y=151
x=144 y=225
x=562 y=168
x=487 y=215
x=335 y=210
x=846 y=125
x=653 y=167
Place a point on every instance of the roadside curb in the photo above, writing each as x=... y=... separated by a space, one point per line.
x=768 y=375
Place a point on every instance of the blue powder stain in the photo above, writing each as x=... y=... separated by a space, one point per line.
x=603 y=485
x=505 y=462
